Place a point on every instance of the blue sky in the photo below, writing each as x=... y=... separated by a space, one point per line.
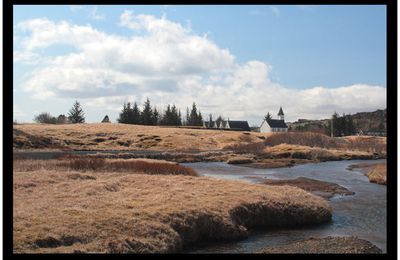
x=238 y=61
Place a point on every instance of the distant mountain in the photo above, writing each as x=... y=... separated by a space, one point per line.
x=365 y=121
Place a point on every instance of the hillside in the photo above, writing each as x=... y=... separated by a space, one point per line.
x=366 y=121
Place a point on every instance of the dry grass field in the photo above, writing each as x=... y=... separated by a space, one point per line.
x=139 y=137
x=378 y=173
x=125 y=137
x=57 y=209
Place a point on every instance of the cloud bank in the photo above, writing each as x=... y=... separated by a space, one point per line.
x=168 y=63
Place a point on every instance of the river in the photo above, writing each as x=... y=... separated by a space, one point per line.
x=362 y=215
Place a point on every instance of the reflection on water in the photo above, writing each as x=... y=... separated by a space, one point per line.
x=362 y=215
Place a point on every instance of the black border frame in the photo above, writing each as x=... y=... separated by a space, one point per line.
x=391 y=55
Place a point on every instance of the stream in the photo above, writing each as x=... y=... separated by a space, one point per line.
x=362 y=215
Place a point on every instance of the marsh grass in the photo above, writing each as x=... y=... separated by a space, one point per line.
x=91 y=163
x=122 y=212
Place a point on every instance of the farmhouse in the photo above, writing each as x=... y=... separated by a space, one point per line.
x=274 y=125
x=228 y=124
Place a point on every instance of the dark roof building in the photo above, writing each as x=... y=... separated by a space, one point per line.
x=242 y=125
x=276 y=123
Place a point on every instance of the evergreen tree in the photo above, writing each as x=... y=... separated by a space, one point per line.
x=155 y=116
x=187 y=116
x=199 y=119
x=129 y=114
x=268 y=116
x=123 y=116
x=76 y=114
x=174 y=116
x=193 y=118
x=134 y=115
x=166 y=118
x=350 y=128
x=147 y=113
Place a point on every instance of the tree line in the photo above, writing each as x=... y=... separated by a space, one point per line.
x=342 y=125
x=75 y=116
x=131 y=114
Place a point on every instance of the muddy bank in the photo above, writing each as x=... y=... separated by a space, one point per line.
x=327 y=245
x=320 y=188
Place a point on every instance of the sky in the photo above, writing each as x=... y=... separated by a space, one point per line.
x=236 y=61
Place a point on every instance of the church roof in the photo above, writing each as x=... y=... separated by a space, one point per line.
x=239 y=125
x=280 y=113
x=276 y=123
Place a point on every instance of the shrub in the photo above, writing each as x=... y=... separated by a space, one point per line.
x=45 y=118
x=255 y=148
x=301 y=138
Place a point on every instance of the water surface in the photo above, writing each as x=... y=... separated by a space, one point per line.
x=362 y=215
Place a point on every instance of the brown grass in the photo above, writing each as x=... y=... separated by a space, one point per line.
x=88 y=163
x=320 y=188
x=125 y=137
x=367 y=143
x=301 y=138
x=377 y=173
x=314 y=153
x=121 y=212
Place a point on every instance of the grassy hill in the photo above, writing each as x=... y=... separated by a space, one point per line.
x=366 y=121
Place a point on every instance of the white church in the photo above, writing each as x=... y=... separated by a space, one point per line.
x=274 y=125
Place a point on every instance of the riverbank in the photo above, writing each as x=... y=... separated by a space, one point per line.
x=320 y=188
x=195 y=145
x=326 y=245
x=363 y=214
x=376 y=173
x=65 y=211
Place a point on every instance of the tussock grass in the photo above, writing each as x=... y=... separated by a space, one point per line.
x=91 y=163
x=378 y=173
x=315 y=153
x=121 y=212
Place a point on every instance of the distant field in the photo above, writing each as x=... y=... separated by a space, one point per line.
x=125 y=137
x=138 y=137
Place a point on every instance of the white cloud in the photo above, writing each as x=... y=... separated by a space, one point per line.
x=169 y=63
